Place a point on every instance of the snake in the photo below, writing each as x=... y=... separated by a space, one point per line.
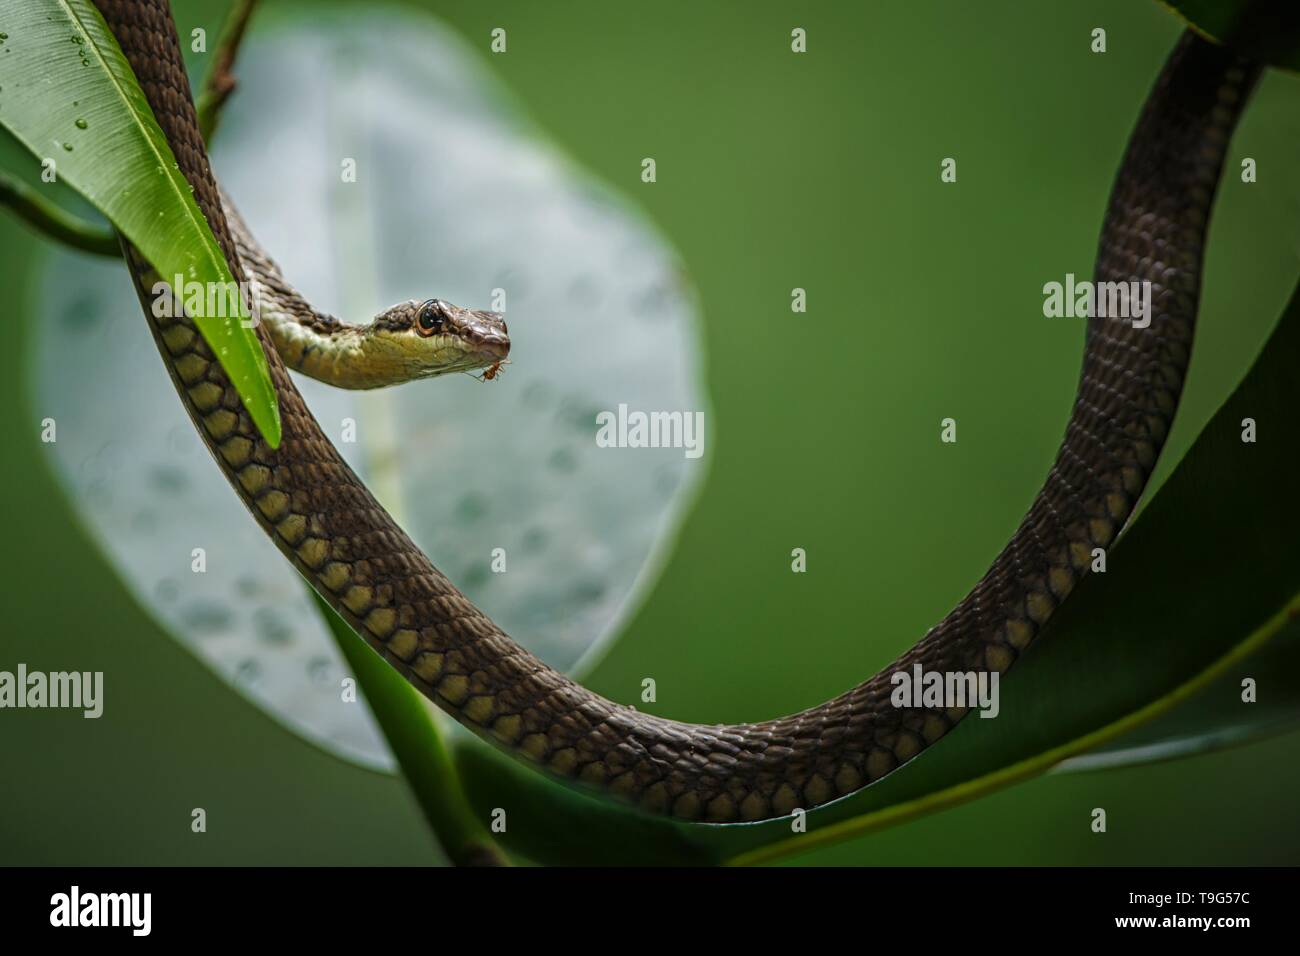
x=408 y=341
x=326 y=522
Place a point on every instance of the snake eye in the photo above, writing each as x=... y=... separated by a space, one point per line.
x=431 y=318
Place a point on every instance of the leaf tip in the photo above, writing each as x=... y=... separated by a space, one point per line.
x=267 y=420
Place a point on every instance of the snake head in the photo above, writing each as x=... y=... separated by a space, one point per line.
x=433 y=337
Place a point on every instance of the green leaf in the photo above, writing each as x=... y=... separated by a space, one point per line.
x=68 y=94
x=1267 y=30
x=1213 y=718
x=555 y=825
x=1205 y=577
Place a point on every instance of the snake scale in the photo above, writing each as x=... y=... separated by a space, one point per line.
x=326 y=522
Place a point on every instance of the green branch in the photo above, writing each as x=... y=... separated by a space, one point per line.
x=419 y=747
x=220 y=80
x=54 y=221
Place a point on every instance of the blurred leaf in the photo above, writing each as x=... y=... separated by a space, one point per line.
x=68 y=94
x=1204 y=578
x=1266 y=30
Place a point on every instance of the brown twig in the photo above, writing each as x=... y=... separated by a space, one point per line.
x=220 y=80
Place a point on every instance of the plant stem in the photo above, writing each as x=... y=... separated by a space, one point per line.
x=220 y=80
x=421 y=752
x=54 y=221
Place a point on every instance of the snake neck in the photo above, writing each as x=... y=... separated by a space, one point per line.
x=313 y=343
x=338 y=354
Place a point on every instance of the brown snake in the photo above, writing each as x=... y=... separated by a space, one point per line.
x=327 y=523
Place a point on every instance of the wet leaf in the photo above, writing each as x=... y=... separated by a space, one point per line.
x=68 y=94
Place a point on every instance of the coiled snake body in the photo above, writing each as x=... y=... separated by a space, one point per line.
x=330 y=527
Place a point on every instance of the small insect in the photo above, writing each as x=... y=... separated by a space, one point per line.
x=493 y=370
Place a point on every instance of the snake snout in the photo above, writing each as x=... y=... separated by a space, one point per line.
x=494 y=345
x=491 y=339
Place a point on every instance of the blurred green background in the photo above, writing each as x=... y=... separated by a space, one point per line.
x=774 y=171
